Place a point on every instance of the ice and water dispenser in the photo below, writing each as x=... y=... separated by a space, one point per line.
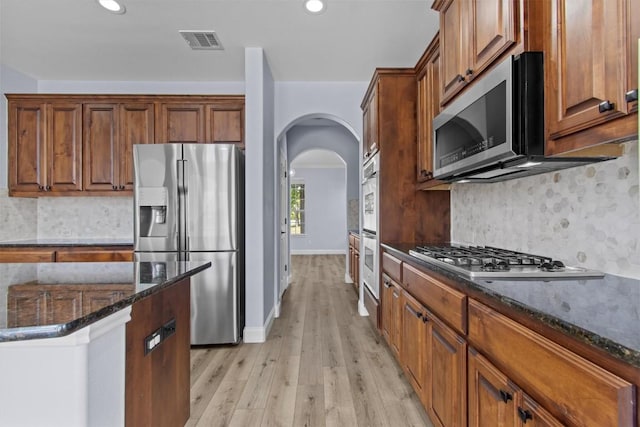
x=152 y=203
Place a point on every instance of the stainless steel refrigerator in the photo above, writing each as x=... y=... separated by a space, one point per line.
x=189 y=206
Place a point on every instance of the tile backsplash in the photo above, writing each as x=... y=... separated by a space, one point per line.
x=85 y=217
x=18 y=217
x=586 y=216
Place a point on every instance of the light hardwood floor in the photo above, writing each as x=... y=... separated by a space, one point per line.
x=322 y=365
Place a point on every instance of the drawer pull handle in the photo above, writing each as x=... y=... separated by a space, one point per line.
x=631 y=96
x=524 y=415
x=605 y=106
x=469 y=71
x=459 y=78
x=506 y=396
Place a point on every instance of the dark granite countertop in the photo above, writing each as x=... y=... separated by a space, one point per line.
x=118 y=284
x=64 y=242
x=604 y=313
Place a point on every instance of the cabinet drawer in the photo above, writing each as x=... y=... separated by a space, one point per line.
x=572 y=388
x=447 y=303
x=392 y=266
x=27 y=255
x=94 y=255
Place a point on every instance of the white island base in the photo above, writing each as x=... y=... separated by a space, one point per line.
x=74 y=380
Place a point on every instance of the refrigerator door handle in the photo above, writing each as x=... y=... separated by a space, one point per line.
x=182 y=217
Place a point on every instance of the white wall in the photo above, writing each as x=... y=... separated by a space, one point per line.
x=260 y=204
x=341 y=99
x=325 y=208
x=141 y=87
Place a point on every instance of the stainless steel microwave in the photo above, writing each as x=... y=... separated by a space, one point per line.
x=495 y=129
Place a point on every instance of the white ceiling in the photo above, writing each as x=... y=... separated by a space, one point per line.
x=78 y=40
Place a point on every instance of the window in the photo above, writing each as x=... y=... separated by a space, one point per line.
x=296 y=209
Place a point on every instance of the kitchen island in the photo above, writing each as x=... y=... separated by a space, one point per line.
x=95 y=343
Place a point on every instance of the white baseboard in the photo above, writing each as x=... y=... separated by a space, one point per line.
x=347 y=278
x=277 y=312
x=362 y=310
x=258 y=334
x=318 y=252
x=290 y=279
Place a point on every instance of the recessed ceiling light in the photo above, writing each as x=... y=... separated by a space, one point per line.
x=112 y=6
x=314 y=6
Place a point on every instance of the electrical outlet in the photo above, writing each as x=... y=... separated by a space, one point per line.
x=169 y=329
x=152 y=341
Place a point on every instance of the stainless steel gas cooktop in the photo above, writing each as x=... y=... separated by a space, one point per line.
x=485 y=262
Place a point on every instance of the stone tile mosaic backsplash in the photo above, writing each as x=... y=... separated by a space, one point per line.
x=586 y=216
x=85 y=217
x=18 y=217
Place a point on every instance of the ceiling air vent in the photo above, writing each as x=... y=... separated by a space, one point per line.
x=202 y=40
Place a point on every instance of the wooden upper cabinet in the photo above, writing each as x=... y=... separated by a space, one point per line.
x=370 y=140
x=494 y=30
x=428 y=107
x=64 y=151
x=454 y=46
x=137 y=126
x=45 y=147
x=225 y=124
x=181 y=122
x=473 y=34
x=27 y=146
x=591 y=64
x=100 y=146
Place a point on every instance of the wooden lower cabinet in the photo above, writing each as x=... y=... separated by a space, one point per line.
x=67 y=254
x=42 y=304
x=391 y=314
x=573 y=389
x=414 y=334
x=495 y=401
x=446 y=375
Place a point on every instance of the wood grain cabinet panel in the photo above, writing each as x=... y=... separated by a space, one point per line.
x=27 y=146
x=428 y=107
x=27 y=255
x=494 y=30
x=391 y=313
x=592 y=63
x=570 y=387
x=414 y=334
x=225 y=125
x=446 y=384
x=94 y=255
x=100 y=147
x=45 y=147
x=26 y=307
x=370 y=140
x=66 y=305
x=491 y=394
x=181 y=122
x=453 y=46
x=137 y=126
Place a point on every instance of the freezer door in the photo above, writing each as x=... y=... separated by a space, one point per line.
x=212 y=192
x=215 y=303
x=155 y=195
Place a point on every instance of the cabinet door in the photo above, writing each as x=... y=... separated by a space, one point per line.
x=446 y=384
x=494 y=27
x=95 y=299
x=428 y=108
x=27 y=149
x=100 y=147
x=94 y=255
x=586 y=72
x=26 y=308
x=66 y=305
x=396 y=313
x=64 y=148
x=413 y=342
x=181 y=123
x=453 y=45
x=387 y=309
x=491 y=394
x=533 y=415
x=225 y=125
x=136 y=127
x=370 y=125
x=27 y=255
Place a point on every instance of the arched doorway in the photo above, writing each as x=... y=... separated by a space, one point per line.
x=315 y=132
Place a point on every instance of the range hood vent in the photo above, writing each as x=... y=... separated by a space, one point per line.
x=202 y=40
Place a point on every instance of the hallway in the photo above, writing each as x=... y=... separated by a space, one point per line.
x=322 y=364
